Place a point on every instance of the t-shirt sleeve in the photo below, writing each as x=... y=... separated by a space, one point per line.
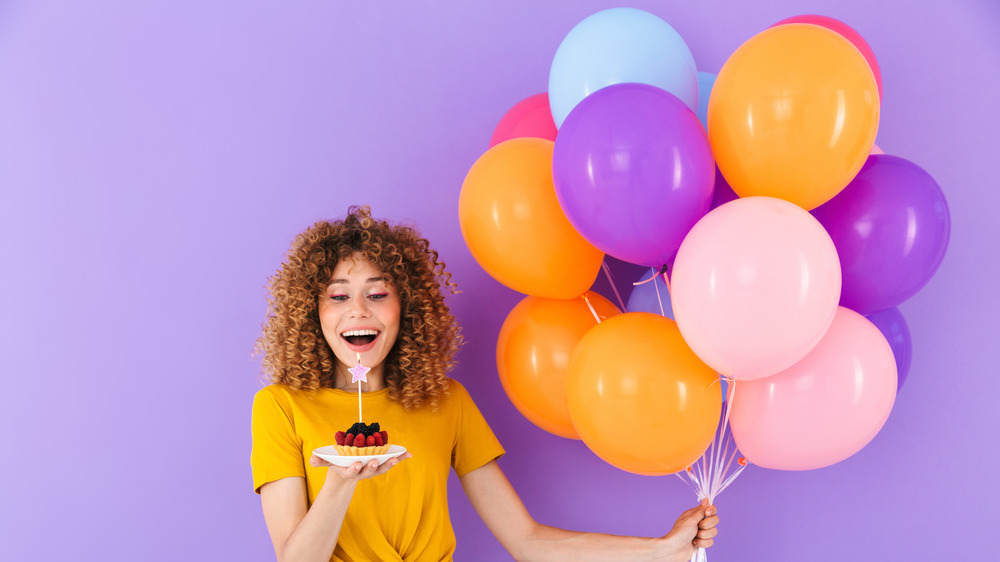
x=277 y=450
x=476 y=444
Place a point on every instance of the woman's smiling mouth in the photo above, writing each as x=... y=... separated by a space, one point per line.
x=361 y=339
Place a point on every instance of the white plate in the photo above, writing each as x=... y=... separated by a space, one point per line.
x=330 y=455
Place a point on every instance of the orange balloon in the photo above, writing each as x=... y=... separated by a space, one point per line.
x=533 y=351
x=793 y=114
x=515 y=228
x=639 y=397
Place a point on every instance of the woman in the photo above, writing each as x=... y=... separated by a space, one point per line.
x=362 y=287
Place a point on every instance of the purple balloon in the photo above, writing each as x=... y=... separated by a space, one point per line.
x=893 y=326
x=891 y=227
x=633 y=172
x=723 y=192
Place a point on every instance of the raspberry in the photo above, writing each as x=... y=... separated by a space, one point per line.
x=385 y=437
x=378 y=438
x=359 y=441
x=339 y=437
x=370 y=441
x=349 y=439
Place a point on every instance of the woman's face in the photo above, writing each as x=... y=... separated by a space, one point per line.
x=359 y=313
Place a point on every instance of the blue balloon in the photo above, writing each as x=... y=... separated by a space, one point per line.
x=705 y=82
x=644 y=297
x=893 y=326
x=615 y=46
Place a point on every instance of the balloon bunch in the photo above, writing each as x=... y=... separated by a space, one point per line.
x=780 y=239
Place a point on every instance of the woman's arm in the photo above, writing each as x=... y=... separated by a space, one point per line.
x=302 y=533
x=501 y=509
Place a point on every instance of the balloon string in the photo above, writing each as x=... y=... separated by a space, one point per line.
x=709 y=476
x=591 y=307
x=652 y=277
x=611 y=281
x=658 y=299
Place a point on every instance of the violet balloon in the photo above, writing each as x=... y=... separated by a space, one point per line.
x=893 y=326
x=633 y=172
x=723 y=192
x=891 y=227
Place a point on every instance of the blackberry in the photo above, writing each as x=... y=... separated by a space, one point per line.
x=364 y=429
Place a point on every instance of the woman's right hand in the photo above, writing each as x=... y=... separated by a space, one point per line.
x=358 y=471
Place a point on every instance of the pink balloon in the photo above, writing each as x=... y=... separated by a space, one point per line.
x=824 y=408
x=530 y=117
x=877 y=150
x=755 y=286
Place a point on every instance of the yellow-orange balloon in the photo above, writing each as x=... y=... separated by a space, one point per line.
x=513 y=224
x=639 y=397
x=793 y=114
x=533 y=351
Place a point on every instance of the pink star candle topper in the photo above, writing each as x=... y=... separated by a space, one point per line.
x=359 y=372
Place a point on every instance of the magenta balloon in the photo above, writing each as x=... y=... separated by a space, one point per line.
x=846 y=32
x=891 y=227
x=824 y=408
x=755 y=286
x=529 y=117
x=893 y=326
x=633 y=172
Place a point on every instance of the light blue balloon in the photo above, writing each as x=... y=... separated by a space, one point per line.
x=643 y=297
x=705 y=82
x=615 y=46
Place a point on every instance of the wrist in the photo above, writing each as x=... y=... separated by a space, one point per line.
x=336 y=486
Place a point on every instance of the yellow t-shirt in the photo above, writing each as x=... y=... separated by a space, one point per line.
x=401 y=515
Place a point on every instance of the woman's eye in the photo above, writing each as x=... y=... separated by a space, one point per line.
x=338 y=298
x=378 y=296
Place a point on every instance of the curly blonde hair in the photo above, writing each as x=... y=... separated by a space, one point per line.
x=296 y=354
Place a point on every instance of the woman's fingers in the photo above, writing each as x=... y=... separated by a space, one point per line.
x=317 y=462
x=359 y=470
x=708 y=522
x=387 y=465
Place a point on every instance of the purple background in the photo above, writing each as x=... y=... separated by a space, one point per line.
x=156 y=159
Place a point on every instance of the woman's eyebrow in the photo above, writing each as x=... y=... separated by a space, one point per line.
x=369 y=280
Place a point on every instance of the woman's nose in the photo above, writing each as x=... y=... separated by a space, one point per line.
x=359 y=308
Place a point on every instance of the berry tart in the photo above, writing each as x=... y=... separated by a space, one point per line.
x=361 y=440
